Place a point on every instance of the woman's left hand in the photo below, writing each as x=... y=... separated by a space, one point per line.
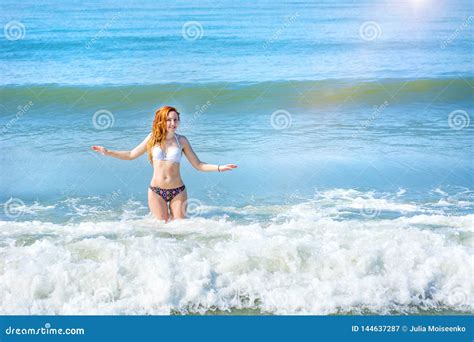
x=227 y=167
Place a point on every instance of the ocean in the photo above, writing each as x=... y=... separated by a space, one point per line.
x=350 y=123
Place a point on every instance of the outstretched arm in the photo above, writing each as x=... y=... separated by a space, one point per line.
x=199 y=165
x=124 y=155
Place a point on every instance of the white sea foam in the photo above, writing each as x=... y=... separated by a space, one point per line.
x=320 y=256
x=309 y=263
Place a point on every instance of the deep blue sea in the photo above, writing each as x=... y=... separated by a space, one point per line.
x=351 y=123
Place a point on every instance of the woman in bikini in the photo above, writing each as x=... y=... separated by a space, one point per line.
x=165 y=149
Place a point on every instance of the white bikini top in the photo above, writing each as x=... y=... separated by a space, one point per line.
x=172 y=154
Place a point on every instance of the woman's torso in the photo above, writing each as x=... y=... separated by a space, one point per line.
x=166 y=164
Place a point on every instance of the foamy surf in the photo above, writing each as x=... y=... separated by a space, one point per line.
x=305 y=258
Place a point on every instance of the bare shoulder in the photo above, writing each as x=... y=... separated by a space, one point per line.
x=182 y=139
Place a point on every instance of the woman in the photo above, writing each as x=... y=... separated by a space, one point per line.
x=165 y=149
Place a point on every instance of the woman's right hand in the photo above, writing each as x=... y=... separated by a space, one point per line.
x=100 y=149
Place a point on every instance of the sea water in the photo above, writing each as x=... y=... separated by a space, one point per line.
x=351 y=124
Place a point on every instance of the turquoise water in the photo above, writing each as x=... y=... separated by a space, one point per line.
x=371 y=142
x=142 y=42
x=351 y=124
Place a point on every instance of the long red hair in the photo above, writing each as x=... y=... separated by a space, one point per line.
x=158 y=129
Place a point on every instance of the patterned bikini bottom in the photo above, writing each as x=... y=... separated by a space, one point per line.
x=167 y=194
